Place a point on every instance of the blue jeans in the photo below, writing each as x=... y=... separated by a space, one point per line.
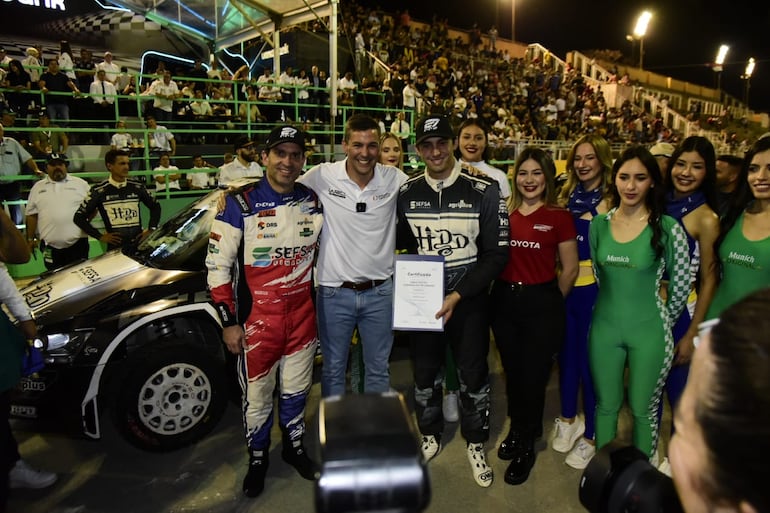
x=339 y=311
x=59 y=113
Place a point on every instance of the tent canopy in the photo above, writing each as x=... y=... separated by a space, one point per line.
x=224 y=23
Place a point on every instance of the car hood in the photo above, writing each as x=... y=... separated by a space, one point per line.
x=75 y=289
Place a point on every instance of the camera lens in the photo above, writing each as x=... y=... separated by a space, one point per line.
x=620 y=479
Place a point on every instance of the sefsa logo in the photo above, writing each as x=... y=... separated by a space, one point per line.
x=337 y=192
x=419 y=204
x=542 y=227
x=460 y=204
x=261 y=256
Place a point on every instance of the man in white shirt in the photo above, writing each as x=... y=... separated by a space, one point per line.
x=165 y=92
x=111 y=69
x=51 y=206
x=160 y=138
x=103 y=94
x=356 y=256
x=198 y=177
x=400 y=129
x=243 y=165
x=166 y=175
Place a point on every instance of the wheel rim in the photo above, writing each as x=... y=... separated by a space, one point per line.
x=174 y=399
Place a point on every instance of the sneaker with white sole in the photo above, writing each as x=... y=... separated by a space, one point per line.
x=566 y=434
x=482 y=472
x=581 y=454
x=24 y=476
x=665 y=467
x=430 y=446
x=451 y=407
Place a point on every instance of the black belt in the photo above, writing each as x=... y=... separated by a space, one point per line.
x=519 y=287
x=362 y=285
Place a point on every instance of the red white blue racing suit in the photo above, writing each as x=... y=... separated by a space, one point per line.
x=260 y=258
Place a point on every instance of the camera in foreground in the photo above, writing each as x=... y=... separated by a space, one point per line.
x=621 y=479
x=370 y=456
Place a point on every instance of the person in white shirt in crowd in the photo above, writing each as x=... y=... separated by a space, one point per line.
x=110 y=67
x=121 y=139
x=103 y=94
x=400 y=128
x=160 y=138
x=164 y=91
x=166 y=177
x=51 y=206
x=201 y=173
x=473 y=149
x=66 y=62
x=243 y=165
x=32 y=65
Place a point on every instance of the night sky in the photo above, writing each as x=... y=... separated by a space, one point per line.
x=684 y=35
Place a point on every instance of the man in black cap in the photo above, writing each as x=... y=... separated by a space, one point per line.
x=268 y=234
x=51 y=206
x=244 y=164
x=449 y=212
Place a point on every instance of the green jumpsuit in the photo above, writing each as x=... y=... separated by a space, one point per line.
x=631 y=322
x=745 y=268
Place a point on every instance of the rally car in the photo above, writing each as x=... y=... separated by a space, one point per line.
x=132 y=333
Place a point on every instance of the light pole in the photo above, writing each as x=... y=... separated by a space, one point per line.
x=640 y=30
x=631 y=39
x=718 y=66
x=747 y=77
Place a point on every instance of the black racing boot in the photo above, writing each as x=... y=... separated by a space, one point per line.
x=522 y=462
x=510 y=446
x=254 y=482
x=294 y=454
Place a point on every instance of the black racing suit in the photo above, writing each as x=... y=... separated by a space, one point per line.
x=464 y=220
x=119 y=208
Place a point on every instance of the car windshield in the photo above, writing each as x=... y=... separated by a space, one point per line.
x=181 y=242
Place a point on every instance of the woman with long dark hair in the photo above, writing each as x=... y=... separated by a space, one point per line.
x=19 y=80
x=744 y=243
x=632 y=246
x=691 y=200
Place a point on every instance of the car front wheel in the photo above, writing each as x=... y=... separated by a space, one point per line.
x=170 y=398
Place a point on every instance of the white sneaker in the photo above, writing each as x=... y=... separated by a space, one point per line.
x=450 y=407
x=565 y=434
x=665 y=467
x=580 y=455
x=655 y=459
x=482 y=472
x=430 y=447
x=24 y=476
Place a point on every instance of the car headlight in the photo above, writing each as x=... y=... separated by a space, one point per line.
x=62 y=344
x=57 y=341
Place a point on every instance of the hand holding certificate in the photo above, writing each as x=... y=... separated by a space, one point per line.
x=418 y=293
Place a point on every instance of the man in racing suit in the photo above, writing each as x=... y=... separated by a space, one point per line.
x=117 y=201
x=260 y=258
x=450 y=212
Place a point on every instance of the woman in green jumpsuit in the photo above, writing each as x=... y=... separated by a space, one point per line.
x=632 y=246
x=744 y=249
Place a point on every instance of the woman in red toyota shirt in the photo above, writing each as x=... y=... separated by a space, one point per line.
x=528 y=318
